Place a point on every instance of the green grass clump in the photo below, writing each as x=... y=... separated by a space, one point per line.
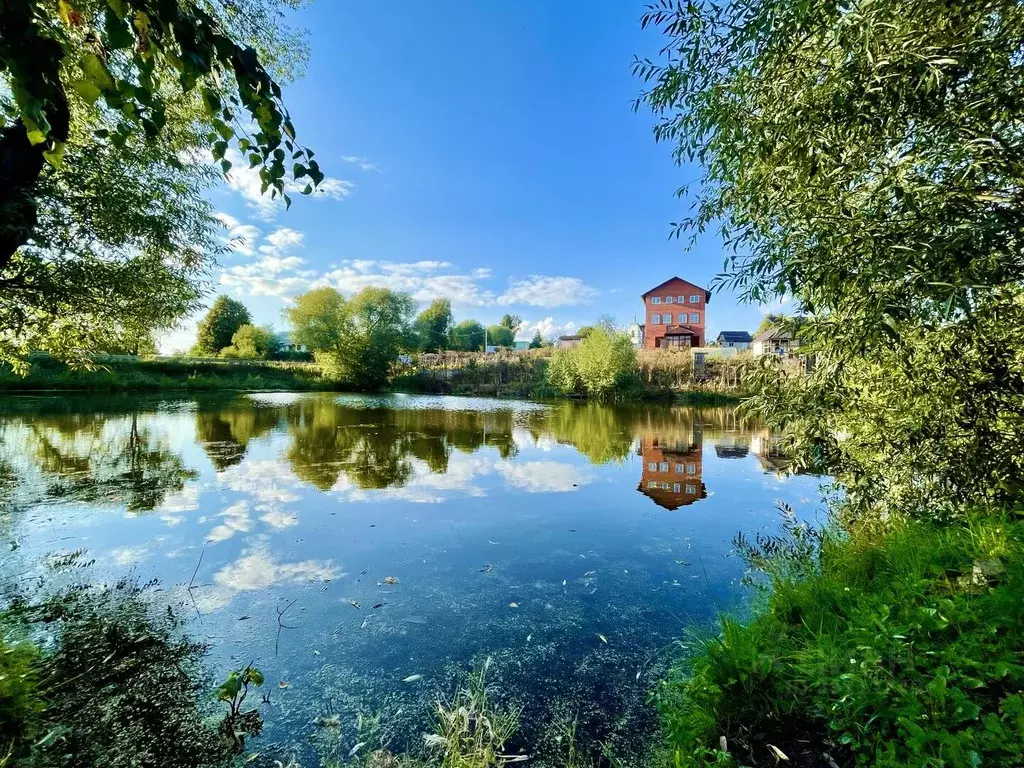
x=904 y=649
x=20 y=701
x=470 y=729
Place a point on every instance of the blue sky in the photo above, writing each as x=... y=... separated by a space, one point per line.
x=486 y=151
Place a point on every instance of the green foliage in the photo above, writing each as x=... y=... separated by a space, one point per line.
x=355 y=341
x=512 y=322
x=501 y=336
x=843 y=156
x=20 y=701
x=769 y=321
x=468 y=336
x=251 y=342
x=537 y=342
x=434 y=326
x=239 y=722
x=219 y=325
x=470 y=730
x=125 y=375
x=122 y=685
x=598 y=366
x=901 y=649
x=105 y=229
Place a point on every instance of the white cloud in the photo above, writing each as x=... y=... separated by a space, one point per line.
x=240 y=237
x=257 y=569
x=776 y=307
x=544 y=291
x=278 y=518
x=236 y=520
x=424 y=280
x=362 y=162
x=548 y=328
x=544 y=476
x=128 y=556
x=246 y=182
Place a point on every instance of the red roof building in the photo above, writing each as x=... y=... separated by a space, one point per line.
x=674 y=313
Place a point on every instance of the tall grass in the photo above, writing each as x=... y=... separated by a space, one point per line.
x=891 y=649
x=470 y=730
x=128 y=374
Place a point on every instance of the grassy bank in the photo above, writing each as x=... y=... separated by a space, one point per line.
x=898 y=649
x=129 y=374
x=659 y=376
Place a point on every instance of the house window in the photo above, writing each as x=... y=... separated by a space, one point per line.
x=652 y=483
x=674 y=342
x=681 y=299
x=668 y=299
x=663 y=467
x=655 y=319
x=690 y=489
x=679 y=469
x=695 y=317
x=691 y=469
x=656 y=300
x=652 y=466
x=675 y=487
x=664 y=486
x=694 y=298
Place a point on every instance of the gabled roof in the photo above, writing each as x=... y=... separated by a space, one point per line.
x=734 y=336
x=773 y=333
x=680 y=330
x=707 y=293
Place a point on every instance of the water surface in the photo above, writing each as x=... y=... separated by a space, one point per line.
x=344 y=544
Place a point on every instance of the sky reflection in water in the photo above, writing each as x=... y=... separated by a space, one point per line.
x=516 y=530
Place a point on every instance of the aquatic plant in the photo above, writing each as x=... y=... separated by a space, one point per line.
x=471 y=730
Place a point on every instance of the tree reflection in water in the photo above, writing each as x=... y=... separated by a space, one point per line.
x=118 y=450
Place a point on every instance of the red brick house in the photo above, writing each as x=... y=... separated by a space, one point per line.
x=670 y=474
x=674 y=315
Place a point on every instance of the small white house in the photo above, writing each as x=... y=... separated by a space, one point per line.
x=734 y=340
x=285 y=343
x=775 y=341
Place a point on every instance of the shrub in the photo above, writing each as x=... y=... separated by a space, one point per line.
x=894 y=650
x=598 y=366
x=20 y=702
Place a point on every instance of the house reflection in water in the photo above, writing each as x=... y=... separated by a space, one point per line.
x=672 y=470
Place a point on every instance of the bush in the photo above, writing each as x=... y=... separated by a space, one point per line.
x=895 y=650
x=599 y=367
x=20 y=702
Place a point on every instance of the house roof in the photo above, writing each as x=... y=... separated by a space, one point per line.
x=774 y=333
x=734 y=336
x=680 y=330
x=570 y=337
x=707 y=293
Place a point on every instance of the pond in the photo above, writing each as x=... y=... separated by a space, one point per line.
x=365 y=552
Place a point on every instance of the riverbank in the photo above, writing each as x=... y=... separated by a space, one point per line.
x=659 y=378
x=132 y=374
x=902 y=648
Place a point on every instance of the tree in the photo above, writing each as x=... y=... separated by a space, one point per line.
x=512 y=322
x=769 y=321
x=161 y=50
x=501 y=336
x=537 y=341
x=101 y=222
x=468 y=336
x=319 y=319
x=251 y=342
x=218 y=327
x=433 y=325
x=597 y=366
x=863 y=159
x=356 y=341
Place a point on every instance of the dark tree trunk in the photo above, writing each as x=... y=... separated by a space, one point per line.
x=20 y=166
x=37 y=59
